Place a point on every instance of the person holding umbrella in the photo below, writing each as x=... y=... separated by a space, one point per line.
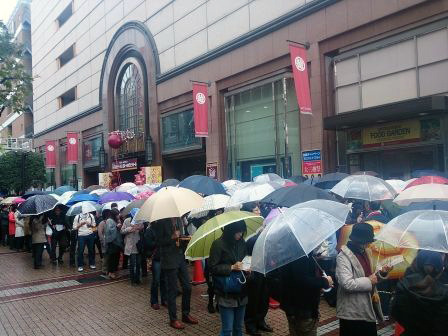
x=114 y=242
x=358 y=303
x=38 y=224
x=59 y=237
x=19 y=235
x=84 y=224
x=131 y=233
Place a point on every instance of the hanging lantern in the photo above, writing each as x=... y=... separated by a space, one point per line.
x=115 y=140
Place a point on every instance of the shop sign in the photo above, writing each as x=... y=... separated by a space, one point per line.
x=395 y=132
x=153 y=174
x=104 y=179
x=212 y=170
x=122 y=165
x=311 y=163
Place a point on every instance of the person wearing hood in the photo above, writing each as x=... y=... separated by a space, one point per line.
x=420 y=303
x=358 y=304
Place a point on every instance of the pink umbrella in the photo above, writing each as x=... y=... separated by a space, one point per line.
x=289 y=184
x=144 y=195
x=274 y=213
x=18 y=200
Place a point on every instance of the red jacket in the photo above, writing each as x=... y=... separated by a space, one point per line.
x=12 y=223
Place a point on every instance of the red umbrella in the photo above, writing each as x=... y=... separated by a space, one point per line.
x=427 y=180
x=18 y=200
x=144 y=195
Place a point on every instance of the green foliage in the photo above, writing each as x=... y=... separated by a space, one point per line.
x=15 y=82
x=20 y=170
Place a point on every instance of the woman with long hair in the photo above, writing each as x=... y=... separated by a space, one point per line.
x=114 y=242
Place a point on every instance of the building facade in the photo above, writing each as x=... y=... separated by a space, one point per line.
x=102 y=66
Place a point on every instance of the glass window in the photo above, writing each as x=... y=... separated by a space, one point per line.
x=67 y=171
x=178 y=132
x=92 y=152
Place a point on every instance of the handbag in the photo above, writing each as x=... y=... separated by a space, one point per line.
x=230 y=284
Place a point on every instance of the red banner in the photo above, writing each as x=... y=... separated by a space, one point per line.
x=50 y=154
x=200 y=99
x=301 y=82
x=72 y=148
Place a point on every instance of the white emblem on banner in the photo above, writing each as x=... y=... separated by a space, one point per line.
x=200 y=98
x=300 y=64
x=72 y=141
x=50 y=148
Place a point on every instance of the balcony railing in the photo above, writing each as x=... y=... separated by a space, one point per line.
x=131 y=146
x=16 y=144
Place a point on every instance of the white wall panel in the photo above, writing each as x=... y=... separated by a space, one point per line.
x=190 y=24
x=191 y=48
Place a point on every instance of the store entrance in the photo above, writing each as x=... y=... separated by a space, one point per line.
x=398 y=163
x=182 y=167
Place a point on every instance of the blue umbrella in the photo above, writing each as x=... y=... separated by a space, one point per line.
x=82 y=198
x=168 y=183
x=62 y=189
x=115 y=196
x=328 y=181
x=203 y=185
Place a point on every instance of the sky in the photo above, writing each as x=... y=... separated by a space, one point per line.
x=6 y=7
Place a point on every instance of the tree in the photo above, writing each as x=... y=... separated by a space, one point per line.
x=20 y=170
x=15 y=82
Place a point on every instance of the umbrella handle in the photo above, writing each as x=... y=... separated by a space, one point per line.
x=244 y=277
x=328 y=289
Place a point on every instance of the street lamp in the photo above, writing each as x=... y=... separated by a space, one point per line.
x=148 y=150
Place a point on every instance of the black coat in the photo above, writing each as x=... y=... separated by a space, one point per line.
x=4 y=218
x=420 y=312
x=300 y=288
x=171 y=256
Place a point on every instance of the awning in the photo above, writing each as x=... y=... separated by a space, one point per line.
x=386 y=113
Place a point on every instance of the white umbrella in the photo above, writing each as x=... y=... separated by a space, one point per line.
x=120 y=205
x=418 y=229
x=398 y=185
x=422 y=193
x=65 y=197
x=270 y=177
x=99 y=192
x=364 y=187
x=252 y=192
x=139 y=189
x=232 y=187
x=125 y=187
x=212 y=202
x=82 y=207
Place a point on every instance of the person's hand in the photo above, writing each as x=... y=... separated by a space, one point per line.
x=175 y=235
x=330 y=280
x=238 y=266
x=373 y=279
x=386 y=269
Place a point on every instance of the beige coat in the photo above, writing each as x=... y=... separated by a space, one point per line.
x=38 y=230
x=354 y=300
x=130 y=238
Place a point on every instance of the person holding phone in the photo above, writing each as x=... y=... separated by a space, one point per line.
x=84 y=224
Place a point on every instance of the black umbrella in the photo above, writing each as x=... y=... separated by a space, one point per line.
x=34 y=193
x=38 y=204
x=134 y=204
x=297 y=179
x=289 y=196
x=203 y=185
x=328 y=181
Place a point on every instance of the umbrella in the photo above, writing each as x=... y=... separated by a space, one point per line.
x=62 y=189
x=364 y=187
x=298 y=179
x=139 y=189
x=82 y=197
x=252 y=192
x=289 y=196
x=81 y=192
x=398 y=185
x=99 y=192
x=120 y=205
x=427 y=172
x=65 y=197
x=168 y=183
x=18 y=200
x=328 y=181
x=230 y=189
x=427 y=180
x=423 y=193
x=82 y=207
x=212 y=202
x=9 y=200
x=273 y=213
x=296 y=232
x=419 y=229
x=203 y=185
x=367 y=172
x=144 y=195
x=137 y=203
x=34 y=193
x=200 y=243
x=115 y=196
x=38 y=204
x=269 y=177
x=169 y=202
x=125 y=187
x=431 y=205
x=94 y=187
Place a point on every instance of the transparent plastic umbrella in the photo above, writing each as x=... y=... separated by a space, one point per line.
x=212 y=202
x=99 y=192
x=120 y=205
x=364 y=187
x=252 y=192
x=418 y=229
x=83 y=207
x=65 y=197
x=269 y=177
x=423 y=193
x=125 y=187
x=296 y=232
x=398 y=185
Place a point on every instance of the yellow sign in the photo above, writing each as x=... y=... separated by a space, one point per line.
x=153 y=174
x=104 y=179
x=399 y=131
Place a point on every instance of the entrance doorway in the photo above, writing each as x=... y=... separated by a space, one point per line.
x=182 y=167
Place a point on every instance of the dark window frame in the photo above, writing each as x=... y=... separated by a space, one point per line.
x=65 y=15
x=68 y=53
x=61 y=98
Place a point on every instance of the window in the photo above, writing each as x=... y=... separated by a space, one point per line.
x=178 y=132
x=66 y=56
x=67 y=97
x=65 y=15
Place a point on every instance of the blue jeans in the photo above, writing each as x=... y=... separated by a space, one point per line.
x=158 y=280
x=82 y=242
x=232 y=320
x=136 y=261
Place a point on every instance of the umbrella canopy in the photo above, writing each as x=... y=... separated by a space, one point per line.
x=398 y=185
x=168 y=183
x=115 y=196
x=144 y=195
x=94 y=187
x=9 y=200
x=269 y=177
x=252 y=192
x=296 y=232
x=367 y=172
x=431 y=205
x=137 y=203
x=427 y=180
x=38 y=204
x=231 y=188
x=201 y=242
x=139 y=189
x=212 y=202
x=82 y=207
x=364 y=187
x=289 y=196
x=125 y=187
x=427 y=172
x=203 y=185
x=82 y=197
x=169 y=202
x=419 y=229
x=99 y=192
x=81 y=192
x=62 y=189
x=328 y=181
x=423 y=193
x=120 y=205
x=65 y=197
x=298 y=179
x=18 y=200
x=34 y=193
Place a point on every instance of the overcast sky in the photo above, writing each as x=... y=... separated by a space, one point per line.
x=6 y=7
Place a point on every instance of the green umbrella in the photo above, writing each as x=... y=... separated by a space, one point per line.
x=201 y=242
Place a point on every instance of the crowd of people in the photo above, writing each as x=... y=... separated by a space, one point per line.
x=344 y=276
